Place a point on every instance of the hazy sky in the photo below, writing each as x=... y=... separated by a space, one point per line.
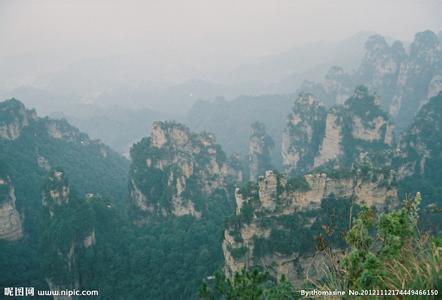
x=214 y=28
x=172 y=41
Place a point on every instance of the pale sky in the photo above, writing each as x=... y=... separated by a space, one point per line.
x=239 y=27
x=181 y=39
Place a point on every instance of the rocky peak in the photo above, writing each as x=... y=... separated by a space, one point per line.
x=169 y=133
x=279 y=210
x=419 y=149
x=304 y=129
x=13 y=118
x=260 y=146
x=57 y=191
x=314 y=136
x=10 y=221
x=425 y=47
x=174 y=172
x=375 y=44
x=336 y=85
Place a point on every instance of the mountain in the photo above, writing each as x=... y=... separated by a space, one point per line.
x=30 y=147
x=280 y=219
x=418 y=155
x=181 y=191
x=260 y=146
x=283 y=72
x=284 y=223
x=341 y=135
x=116 y=126
x=176 y=172
x=403 y=78
x=230 y=121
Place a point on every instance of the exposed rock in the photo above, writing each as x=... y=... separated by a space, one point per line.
x=260 y=145
x=337 y=85
x=89 y=240
x=331 y=146
x=403 y=80
x=303 y=133
x=43 y=163
x=280 y=198
x=56 y=192
x=188 y=169
x=10 y=222
x=14 y=118
x=419 y=147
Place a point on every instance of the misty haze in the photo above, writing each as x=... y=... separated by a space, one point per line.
x=220 y=149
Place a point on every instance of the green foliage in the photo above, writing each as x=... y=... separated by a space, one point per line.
x=90 y=171
x=297 y=183
x=238 y=253
x=247 y=285
x=387 y=251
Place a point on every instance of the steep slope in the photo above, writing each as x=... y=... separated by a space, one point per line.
x=303 y=133
x=176 y=172
x=68 y=231
x=181 y=190
x=29 y=147
x=404 y=79
x=280 y=220
x=260 y=147
x=342 y=135
x=418 y=157
x=10 y=221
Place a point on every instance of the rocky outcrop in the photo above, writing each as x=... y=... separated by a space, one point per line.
x=303 y=133
x=57 y=191
x=260 y=146
x=338 y=85
x=314 y=137
x=331 y=146
x=174 y=172
x=14 y=117
x=10 y=221
x=68 y=232
x=417 y=77
x=403 y=79
x=419 y=149
x=278 y=205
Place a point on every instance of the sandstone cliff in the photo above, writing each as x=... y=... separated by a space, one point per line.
x=10 y=221
x=13 y=118
x=403 y=78
x=260 y=146
x=176 y=172
x=69 y=232
x=314 y=137
x=277 y=219
x=303 y=133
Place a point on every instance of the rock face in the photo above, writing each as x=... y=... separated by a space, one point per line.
x=404 y=79
x=13 y=118
x=260 y=146
x=331 y=146
x=276 y=219
x=419 y=152
x=69 y=215
x=418 y=76
x=314 y=136
x=176 y=172
x=303 y=133
x=10 y=222
x=56 y=192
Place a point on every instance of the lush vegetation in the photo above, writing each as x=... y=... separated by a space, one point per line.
x=246 y=285
x=387 y=251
